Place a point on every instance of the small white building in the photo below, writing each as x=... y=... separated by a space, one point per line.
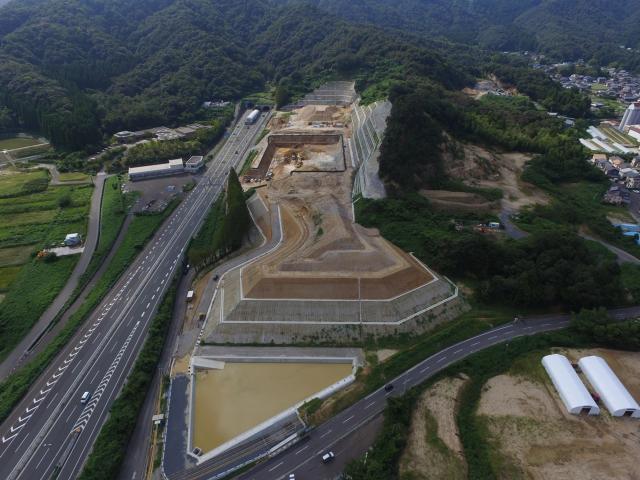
x=573 y=393
x=194 y=164
x=173 y=167
x=605 y=382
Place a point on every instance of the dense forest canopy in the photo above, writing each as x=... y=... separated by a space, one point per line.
x=563 y=29
x=78 y=69
x=142 y=63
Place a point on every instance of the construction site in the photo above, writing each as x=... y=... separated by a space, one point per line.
x=315 y=277
x=326 y=277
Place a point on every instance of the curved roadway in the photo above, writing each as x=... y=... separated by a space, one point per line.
x=51 y=433
x=304 y=459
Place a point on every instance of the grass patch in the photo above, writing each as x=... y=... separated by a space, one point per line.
x=630 y=276
x=29 y=295
x=15 y=255
x=261 y=98
x=17 y=384
x=7 y=276
x=491 y=194
x=263 y=134
x=15 y=182
x=247 y=163
x=18 y=142
x=74 y=177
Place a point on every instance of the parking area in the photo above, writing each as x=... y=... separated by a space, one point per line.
x=156 y=193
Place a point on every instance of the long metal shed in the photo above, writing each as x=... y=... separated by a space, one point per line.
x=572 y=391
x=605 y=382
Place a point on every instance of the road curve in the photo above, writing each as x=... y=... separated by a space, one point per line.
x=304 y=458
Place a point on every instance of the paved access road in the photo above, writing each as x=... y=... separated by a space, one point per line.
x=303 y=459
x=51 y=432
x=20 y=353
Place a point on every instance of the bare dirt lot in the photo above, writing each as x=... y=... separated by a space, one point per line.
x=324 y=254
x=532 y=436
x=458 y=201
x=433 y=449
x=480 y=167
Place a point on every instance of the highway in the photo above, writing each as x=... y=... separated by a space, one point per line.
x=21 y=352
x=304 y=460
x=51 y=433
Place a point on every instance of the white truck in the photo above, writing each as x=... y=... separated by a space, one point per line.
x=252 y=117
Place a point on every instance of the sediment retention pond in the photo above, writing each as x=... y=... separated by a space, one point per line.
x=240 y=396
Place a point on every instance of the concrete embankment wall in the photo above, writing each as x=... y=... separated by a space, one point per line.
x=283 y=333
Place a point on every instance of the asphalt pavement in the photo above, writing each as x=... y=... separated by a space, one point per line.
x=21 y=352
x=304 y=459
x=51 y=432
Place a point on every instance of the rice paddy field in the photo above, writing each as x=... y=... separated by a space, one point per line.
x=34 y=215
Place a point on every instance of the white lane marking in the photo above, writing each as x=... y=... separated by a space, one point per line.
x=350 y=418
x=6 y=439
x=273 y=468
x=42 y=458
x=494 y=337
x=372 y=403
x=441 y=359
x=148 y=304
x=153 y=296
x=424 y=370
x=457 y=351
x=302 y=450
x=474 y=344
x=326 y=433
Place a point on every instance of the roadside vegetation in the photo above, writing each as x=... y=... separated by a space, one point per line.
x=35 y=215
x=224 y=228
x=140 y=231
x=110 y=449
x=115 y=205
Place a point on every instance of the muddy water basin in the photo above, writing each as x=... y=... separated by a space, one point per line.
x=240 y=396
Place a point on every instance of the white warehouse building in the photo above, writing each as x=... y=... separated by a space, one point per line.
x=573 y=393
x=173 y=167
x=605 y=382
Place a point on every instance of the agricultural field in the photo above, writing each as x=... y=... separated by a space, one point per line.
x=34 y=215
x=74 y=177
x=18 y=142
x=617 y=136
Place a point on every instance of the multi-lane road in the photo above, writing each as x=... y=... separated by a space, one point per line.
x=304 y=459
x=51 y=432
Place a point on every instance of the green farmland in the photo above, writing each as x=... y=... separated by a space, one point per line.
x=18 y=142
x=34 y=215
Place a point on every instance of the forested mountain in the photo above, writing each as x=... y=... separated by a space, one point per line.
x=565 y=29
x=76 y=68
